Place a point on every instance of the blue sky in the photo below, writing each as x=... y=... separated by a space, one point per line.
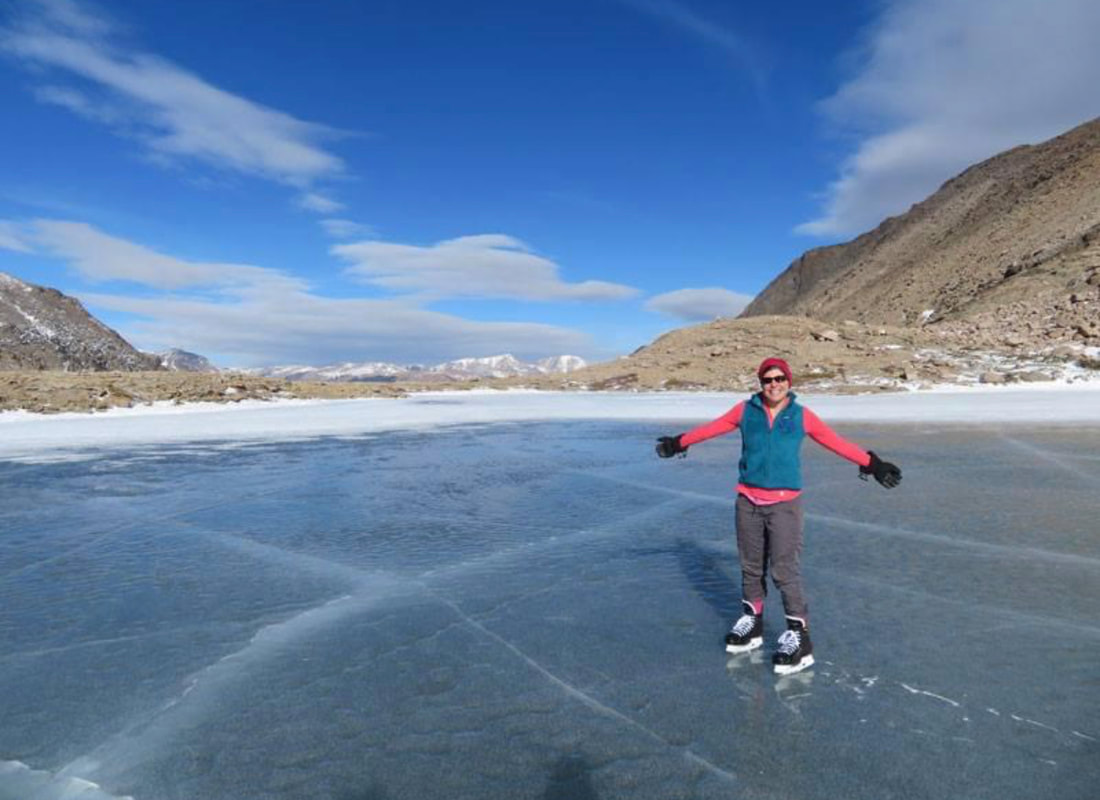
x=414 y=181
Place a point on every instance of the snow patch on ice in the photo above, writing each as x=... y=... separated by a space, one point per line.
x=939 y=697
x=19 y=782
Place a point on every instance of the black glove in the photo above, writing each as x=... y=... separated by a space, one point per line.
x=884 y=472
x=668 y=446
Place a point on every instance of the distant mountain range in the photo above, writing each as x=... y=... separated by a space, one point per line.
x=43 y=329
x=502 y=366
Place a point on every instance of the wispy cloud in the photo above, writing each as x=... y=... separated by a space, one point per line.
x=99 y=257
x=14 y=237
x=174 y=113
x=319 y=203
x=485 y=266
x=695 y=305
x=712 y=33
x=945 y=84
x=346 y=228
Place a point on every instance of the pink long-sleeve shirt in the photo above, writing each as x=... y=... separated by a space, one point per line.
x=811 y=423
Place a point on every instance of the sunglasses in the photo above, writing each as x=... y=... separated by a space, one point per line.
x=776 y=379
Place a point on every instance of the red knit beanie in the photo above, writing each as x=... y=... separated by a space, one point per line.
x=774 y=363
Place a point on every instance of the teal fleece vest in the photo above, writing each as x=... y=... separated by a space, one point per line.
x=771 y=455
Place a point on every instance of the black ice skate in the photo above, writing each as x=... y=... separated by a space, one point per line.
x=747 y=633
x=795 y=651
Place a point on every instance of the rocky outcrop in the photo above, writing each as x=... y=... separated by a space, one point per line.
x=42 y=328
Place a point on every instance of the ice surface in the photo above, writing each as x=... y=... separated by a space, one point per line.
x=536 y=610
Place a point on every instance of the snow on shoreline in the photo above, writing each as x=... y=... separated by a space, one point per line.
x=31 y=437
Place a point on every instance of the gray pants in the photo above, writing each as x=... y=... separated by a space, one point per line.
x=771 y=536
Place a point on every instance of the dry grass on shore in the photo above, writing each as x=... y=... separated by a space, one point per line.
x=55 y=392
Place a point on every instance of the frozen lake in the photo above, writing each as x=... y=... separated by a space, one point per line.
x=536 y=610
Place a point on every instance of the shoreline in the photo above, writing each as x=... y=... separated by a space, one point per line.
x=93 y=393
x=27 y=437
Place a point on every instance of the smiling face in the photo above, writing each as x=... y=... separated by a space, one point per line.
x=775 y=391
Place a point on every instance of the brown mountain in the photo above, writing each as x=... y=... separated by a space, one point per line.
x=42 y=328
x=1011 y=241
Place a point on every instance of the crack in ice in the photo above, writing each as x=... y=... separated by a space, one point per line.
x=586 y=698
x=1052 y=458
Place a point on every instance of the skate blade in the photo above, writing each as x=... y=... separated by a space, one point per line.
x=791 y=669
x=752 y=644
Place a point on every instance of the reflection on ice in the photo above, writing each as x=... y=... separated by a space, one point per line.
x=536 y=611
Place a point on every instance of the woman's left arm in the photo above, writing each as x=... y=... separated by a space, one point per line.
x=831 y=440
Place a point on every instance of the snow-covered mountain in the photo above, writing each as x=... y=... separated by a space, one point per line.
x=502 y=366
x=347 y=371
x=556 y=364
x=182 y=361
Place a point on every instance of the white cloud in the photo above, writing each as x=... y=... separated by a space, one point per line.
x=319 y=203
x=946 y=84
x=14 y=237
x=79 y=103
x=699 y=304
x=486 y=266
x=175 y=113
x=69 y=14
x=300 y=327
x=99 y=257
x=254 y=315
x=346 y=228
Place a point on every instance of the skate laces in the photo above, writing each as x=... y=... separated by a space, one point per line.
x=789 y=642
x=744 y=625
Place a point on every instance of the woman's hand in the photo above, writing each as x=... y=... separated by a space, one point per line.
x=668 y=446
x=887 y=474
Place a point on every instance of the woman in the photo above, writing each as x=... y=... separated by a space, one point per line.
x=769 y=510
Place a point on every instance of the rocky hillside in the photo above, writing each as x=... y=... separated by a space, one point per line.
x=1011 y=247
x=844 y=358
x=42 y=328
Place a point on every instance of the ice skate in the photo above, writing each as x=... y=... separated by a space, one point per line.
x=747 y=633
x=795 y=651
